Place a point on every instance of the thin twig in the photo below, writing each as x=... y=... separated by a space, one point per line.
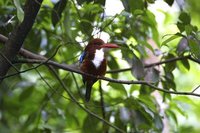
x=196 y=88
x=102 y=100
x=76 y=83
x=102 y=106
x=172 y=92
x=153 y=64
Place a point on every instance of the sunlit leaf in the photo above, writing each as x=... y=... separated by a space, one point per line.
x=119 y=88
x=170 y=39
x=172 y=115
x=20 y=12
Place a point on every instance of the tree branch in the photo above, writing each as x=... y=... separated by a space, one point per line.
x=17 y=37
x=76 y=70
x=154 y=64
x=38 y=59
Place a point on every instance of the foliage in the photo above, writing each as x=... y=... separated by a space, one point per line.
x=35 y=101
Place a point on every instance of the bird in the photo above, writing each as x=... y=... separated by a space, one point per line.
x=93 y=61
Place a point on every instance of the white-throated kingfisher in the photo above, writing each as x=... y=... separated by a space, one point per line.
x=93 y=62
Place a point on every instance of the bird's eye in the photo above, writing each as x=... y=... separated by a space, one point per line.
x=98 y=43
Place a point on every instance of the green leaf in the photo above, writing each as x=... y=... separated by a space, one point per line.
x=169 y=81
x=88 y=121
x=151 y=1
x=185 y=100
x=169 y=67
x=172 y=115
x=169 y=2
x=112 y=63
x=170 y=84
x=149 y=101
x=182 y=46
x=138 y=68
x=158 y=122
x=20 y=12
x=57 y=11
x=86 y=26
x=188 y=29
x=175 y=105
x=180 y=26
x=194 y=48
x=145 y=90
x=170 y=39
x=131 y=5
x=26 y=94
x=185 y=18
x=119 y=88
x=186 y=64
x=31 y=118
x=102 y=2
x=152 y=75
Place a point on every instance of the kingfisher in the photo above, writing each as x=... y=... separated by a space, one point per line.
x=93 y=61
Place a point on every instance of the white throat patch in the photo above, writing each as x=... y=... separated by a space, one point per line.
x=98 y=57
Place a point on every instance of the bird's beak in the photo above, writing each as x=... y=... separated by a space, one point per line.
x=109 y=45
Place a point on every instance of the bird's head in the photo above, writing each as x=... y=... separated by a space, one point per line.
x=98 y=44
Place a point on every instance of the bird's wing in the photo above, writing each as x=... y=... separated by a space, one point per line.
x=82 y=57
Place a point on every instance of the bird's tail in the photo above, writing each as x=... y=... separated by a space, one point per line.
x=88 y=91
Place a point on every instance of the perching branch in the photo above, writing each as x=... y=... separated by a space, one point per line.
x=38 y=59
x=17 y=37
x=74 y=69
